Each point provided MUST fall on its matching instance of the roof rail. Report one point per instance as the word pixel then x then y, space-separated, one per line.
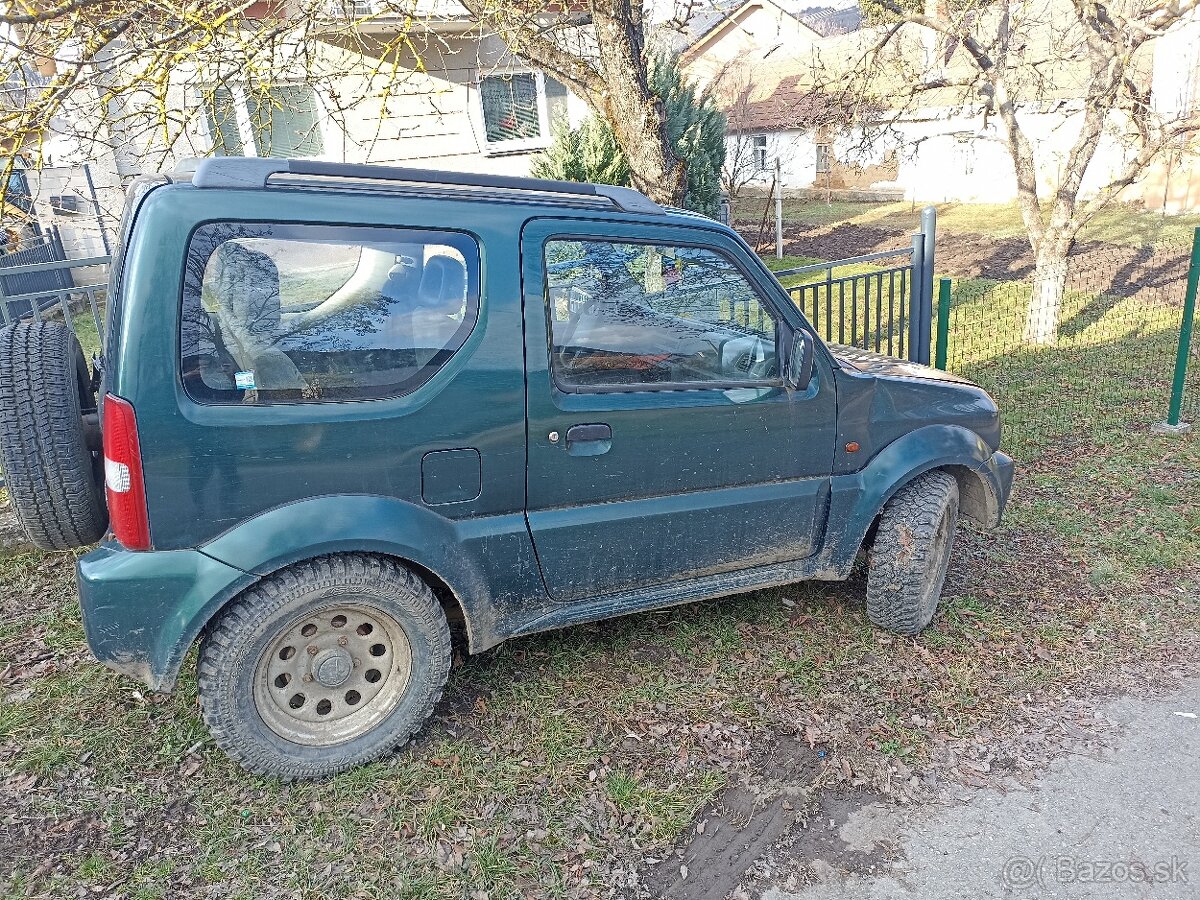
pixel 255 172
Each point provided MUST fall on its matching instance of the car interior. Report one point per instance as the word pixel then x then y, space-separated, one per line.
pixel 377 316
pixel 632 314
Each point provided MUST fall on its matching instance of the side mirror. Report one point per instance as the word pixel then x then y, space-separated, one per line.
pixel 798 372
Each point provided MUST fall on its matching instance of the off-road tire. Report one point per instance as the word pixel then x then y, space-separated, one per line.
pixel 911 552
pixel 55 482
pixel 247 630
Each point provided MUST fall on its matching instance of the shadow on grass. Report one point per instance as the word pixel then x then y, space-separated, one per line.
pixel 1090 314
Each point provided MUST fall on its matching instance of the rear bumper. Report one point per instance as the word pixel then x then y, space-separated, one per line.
pixel 142 611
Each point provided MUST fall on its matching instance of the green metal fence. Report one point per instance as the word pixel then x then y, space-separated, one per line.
pixel 1120 352
pixel 1184 349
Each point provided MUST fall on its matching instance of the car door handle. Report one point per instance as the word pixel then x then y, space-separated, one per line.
pixel 579 433
pixel 589 440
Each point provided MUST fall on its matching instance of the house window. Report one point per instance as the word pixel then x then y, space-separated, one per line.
pixel 278 120
pixel 824 156
pixel 520 110
pixel 964 158
pixel 760 152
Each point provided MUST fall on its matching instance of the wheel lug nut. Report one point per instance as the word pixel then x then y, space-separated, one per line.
pixel 342 642
pixel 357 662
pixel 312 651
pixel 307 678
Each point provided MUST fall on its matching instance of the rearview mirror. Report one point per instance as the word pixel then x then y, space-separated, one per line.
pixel 798 372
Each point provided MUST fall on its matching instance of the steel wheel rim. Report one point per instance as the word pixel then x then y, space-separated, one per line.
pixel 332 674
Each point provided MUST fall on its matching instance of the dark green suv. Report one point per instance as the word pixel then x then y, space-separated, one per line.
pixel 340 407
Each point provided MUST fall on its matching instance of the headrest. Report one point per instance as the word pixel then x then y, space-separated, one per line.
pixel 443 283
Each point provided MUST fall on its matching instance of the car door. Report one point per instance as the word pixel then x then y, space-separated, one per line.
pixel 662 442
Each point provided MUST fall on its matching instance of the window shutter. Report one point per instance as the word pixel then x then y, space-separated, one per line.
pixel 510 107
pixel 220 113
pixel 285 121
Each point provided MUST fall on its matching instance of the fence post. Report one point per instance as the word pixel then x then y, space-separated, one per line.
pixel 1185 340
pixel 778 209
pixel 929 231
pixel 58 253
pixel 87 173
pixel 916 298
pixel 943 323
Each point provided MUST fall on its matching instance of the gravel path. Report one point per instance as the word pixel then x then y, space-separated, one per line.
pixel 1119 824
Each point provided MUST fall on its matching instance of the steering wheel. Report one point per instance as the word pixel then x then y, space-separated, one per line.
pixel 763 368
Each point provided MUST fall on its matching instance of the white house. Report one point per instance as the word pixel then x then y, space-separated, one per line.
pixel 761 58
pixel 454 99
pixel 460 100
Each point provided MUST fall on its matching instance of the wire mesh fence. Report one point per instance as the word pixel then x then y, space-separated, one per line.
pixel 1191 385
pixel 1091 349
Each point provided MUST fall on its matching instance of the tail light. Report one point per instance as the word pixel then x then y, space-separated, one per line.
pixel 123 482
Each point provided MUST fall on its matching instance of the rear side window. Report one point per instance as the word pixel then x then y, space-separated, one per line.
pixel 305 313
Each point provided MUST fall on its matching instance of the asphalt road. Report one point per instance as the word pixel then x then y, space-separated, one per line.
pixel 1121 824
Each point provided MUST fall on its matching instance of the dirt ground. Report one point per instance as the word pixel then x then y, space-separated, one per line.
pixel 790 822
pixel 1059 839
pixel 1112 268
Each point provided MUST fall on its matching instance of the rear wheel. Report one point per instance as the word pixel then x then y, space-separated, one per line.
pixel 52 469
pixel 326 665
pixel 911 553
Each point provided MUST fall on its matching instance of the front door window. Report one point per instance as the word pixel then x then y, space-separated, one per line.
pixel 640 316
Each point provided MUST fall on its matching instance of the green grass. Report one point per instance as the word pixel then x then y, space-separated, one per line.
pixel 85 330
pixel 555 757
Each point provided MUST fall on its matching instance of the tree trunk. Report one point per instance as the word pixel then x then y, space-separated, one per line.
pixel 637 116
pixel 1049 286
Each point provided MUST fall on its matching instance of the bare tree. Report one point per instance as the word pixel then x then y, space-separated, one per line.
pixel 598 48
pixel 748 149
pixel 1001 60
pixel 144 76
pixel 111 71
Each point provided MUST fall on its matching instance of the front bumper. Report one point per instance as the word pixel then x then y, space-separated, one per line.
pixel 999 471
pixel 143 610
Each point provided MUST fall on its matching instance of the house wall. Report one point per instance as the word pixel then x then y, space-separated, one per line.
pixel 953 157
pixel 402 115
pixel 796 152
pixel 1172 184
pixel 756 33
pixel 90 229
pixel 942 156
pixel 434 117
pixel 945 153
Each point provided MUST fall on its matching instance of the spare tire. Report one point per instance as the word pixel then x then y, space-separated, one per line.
pixel 54 479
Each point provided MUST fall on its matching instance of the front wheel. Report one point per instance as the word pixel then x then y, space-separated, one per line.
pixel 324 666
pixel 911 552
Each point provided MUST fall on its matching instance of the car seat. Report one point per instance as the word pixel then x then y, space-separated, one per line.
pixel 400 283
pixel 438 304
pixel 248 304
